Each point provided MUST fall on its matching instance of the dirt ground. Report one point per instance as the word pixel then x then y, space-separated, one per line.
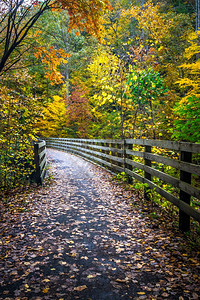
pixel 85 237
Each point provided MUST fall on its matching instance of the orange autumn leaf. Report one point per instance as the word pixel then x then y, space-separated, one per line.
pixel 80 288
pixel 85 14
pixel 45 290
pixel 52 58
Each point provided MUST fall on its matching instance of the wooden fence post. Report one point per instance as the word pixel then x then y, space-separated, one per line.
pixel 147 175
pixel 37 164
pixel 108 145
pixel 102 151
pixel 127 166
pixel 95 143
pixel 118 146
pixel 40 161
pixel 184 219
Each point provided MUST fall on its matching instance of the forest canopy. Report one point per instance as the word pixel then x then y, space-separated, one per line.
pixel 96 69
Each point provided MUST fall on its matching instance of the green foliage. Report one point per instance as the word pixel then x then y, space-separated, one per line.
pixel 106 125
pixel 144 85
pixel 153 215
pixel 17 114
pixel 187 124
pixel 122 177
pixel 146 46
pixel 143 101
pixel 140 186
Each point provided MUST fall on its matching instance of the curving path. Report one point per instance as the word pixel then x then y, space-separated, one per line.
pixel 87 238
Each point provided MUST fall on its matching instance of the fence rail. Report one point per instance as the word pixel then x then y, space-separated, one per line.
pixel 40 161
pixel 147 161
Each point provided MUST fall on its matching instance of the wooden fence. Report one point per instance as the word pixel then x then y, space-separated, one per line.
pixel 163 165
pixel 40 161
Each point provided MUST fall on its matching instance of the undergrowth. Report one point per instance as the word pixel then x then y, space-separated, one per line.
pixel 160 211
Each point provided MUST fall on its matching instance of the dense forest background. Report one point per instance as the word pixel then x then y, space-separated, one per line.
pixel 132 72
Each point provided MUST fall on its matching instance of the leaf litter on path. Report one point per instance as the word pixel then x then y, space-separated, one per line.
pixel 79 238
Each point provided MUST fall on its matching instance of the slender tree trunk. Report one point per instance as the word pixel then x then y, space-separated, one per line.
pixel 122 95
pixel 197 21
pixel 135 117
pixel 197 14
pixel 67 80
pixel 138 105
pixel 47 89
pixel 67 64
pixel 152 120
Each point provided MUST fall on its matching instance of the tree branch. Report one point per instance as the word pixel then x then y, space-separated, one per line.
pixel 19 33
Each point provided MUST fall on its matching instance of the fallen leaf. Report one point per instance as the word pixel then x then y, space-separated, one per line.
pixel 80 288
pixel 165 295
pixel 46 280
pixel 121 280
pixel 84 257
pixel 92 276
pixel 45 290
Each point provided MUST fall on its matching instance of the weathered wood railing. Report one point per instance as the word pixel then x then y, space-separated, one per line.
pixel 148 161
pixel 40 161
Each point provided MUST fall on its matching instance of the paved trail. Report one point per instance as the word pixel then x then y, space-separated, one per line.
pixel 83 240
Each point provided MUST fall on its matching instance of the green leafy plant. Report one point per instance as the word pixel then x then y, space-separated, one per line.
pixel 143 102
pixel 121 177
pixel 140 188
pixel 187 124
pixel 17 131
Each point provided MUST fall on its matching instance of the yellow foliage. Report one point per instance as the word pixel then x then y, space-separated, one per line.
pixel 104 76
pixel 17 114
pixel 191 80
pixel 54 118
pixel 187 82
pixel 116 27
pixel 194 48
pixel 150 19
